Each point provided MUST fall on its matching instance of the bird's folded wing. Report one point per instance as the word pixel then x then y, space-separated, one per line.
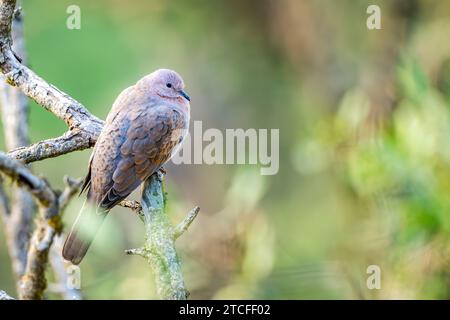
pixel 141 146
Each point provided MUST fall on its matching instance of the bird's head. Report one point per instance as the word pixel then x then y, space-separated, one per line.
pixel 166 84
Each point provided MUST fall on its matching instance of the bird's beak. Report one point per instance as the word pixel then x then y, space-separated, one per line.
pixel 185 95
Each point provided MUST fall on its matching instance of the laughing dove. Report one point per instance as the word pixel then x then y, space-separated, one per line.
pixel 146 124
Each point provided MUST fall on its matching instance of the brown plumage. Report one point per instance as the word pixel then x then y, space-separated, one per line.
pixel 147 122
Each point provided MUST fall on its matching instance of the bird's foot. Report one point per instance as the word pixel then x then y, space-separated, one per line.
pixel 163 171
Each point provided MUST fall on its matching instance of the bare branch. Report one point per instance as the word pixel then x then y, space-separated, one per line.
pixel 6 14
pixel 71 189
pixel 34 282
pixel 23 176
pixel 84 129
pixel 184 225
pixel 72 140
pixel 13 102
pixel 48 223
pixel 62 270
pixel 59 266
pixel 159 249
pixel 4 202
pixel 14 107
pixel 52 99
pixel 73 113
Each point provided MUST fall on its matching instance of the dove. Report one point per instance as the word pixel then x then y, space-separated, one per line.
pixel 147 123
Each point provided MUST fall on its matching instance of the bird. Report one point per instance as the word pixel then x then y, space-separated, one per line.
pixel 146 125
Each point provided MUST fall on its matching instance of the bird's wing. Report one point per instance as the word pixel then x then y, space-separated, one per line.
pixel 122 99
pixel 87 180
pixel 142 145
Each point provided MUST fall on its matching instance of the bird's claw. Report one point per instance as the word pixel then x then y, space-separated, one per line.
pixel 162 170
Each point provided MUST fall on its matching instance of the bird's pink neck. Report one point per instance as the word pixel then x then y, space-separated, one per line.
pixel 179 101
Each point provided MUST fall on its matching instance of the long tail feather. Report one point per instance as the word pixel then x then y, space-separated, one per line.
pixel 83 233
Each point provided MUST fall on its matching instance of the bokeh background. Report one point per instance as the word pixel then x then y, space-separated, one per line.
pixel 364 141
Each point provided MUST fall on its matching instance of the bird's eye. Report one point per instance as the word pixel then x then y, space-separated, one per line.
pixel 168 85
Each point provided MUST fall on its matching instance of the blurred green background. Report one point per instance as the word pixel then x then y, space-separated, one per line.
pixel 364 141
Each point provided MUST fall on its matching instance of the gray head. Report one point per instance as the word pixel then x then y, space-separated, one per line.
pixel 166 84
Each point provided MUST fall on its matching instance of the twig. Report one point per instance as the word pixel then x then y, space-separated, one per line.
pixel 135 206
pixel 184 225
pixel 71 189
pixel 130 204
